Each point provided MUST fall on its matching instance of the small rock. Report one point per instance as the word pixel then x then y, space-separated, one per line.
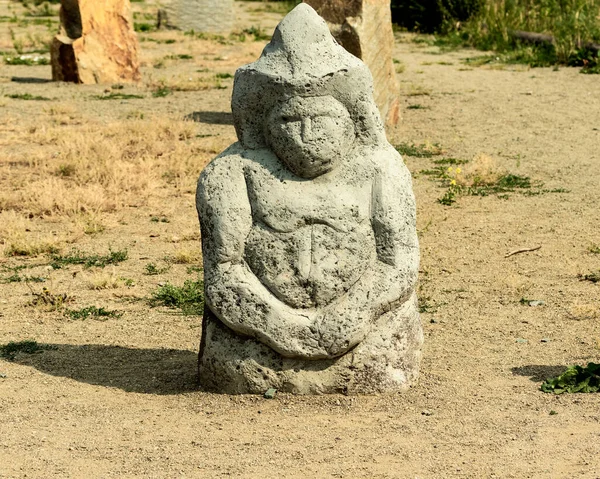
pixel 434 321
pixel 536 302
pixel 546 340
pixel 426 412
pixel 270 393
pixel 2 375
pixel 521 340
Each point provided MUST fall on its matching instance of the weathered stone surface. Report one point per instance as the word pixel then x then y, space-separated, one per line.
pixel 308 230
pixel 364 28
pixel 96 43
pixel 211 16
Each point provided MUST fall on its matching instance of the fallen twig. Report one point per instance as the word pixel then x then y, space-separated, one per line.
pixel 522 250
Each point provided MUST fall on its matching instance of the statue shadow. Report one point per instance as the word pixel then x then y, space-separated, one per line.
pixel 30 80
pixel 148 371
pixel 212 117
pixel 538 373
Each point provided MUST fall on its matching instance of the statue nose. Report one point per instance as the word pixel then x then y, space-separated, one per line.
pixel 307 134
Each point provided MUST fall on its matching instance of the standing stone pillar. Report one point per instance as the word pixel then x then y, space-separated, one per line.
pixel 96 43
pixel 364 28
pixel 309 233
pixel 208 16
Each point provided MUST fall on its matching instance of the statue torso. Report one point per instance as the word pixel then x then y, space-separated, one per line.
pixel 311 239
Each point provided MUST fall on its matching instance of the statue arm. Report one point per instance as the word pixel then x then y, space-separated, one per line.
pixel 390 281
pixel 233 293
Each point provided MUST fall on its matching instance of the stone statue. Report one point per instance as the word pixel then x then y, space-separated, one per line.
pixel 308 230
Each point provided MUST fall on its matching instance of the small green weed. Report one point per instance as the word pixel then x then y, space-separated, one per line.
pixel 257 33
pixel 419 151
pixel 161 92
pixel 15 278
pixel 427 306
pixel 144 27
pixel 591 277
pixel 28 96
pixel 88 261
pixel 594 249
pixel 181 56
pixel 450 161
pixel 9 351
pixel 189 298
pixel 153 270
pixel 92 312
pixel 26 60
pixel 117 96
pixel 575 379
pixel 159 219
pixel 223 76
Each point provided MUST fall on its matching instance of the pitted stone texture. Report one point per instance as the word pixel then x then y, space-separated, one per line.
pixel 308 230
pixel 210 16
pixel 364 28
pixel 96 43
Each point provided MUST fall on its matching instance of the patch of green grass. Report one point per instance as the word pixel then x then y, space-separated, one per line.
pixel 161 92
pixel 427 306
pixel 11 350
pixel 194 269
pixel 484 182
pixel 419 151
pixel 573 25
pixel 189 298
pixel 15 278
pixel 88 260
pixel 144 27
pixel 223 76
pixel 450 161
pixel 181 56
pixel 28 96
pixel 26 60
pixel 594 249
pixel 92 312
pixel 257 33
pixel 575 379
pixel 159 219
pixel 117 96
pixel 153 270
pixel 417 107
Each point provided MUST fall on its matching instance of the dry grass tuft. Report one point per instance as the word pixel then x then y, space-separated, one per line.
pixel 186 256
pixel 482 171
pixel 103 168
pixel 104 280
pixel 17 237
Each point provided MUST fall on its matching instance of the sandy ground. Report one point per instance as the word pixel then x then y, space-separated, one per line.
pixel 118 398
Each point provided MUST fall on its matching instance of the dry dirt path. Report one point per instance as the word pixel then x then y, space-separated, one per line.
pixel 117 398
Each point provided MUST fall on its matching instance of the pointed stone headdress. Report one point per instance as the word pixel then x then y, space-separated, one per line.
pixel 303 59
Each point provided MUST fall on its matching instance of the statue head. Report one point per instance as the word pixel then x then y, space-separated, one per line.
pixel 311 135
pixel 305 98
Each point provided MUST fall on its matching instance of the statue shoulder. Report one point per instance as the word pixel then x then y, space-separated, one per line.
pixel 226 166
pixel 387 162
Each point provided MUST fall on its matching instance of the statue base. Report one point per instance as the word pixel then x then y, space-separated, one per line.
pixel 387 360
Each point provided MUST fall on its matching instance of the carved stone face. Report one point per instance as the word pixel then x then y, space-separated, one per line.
pixel 310 135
